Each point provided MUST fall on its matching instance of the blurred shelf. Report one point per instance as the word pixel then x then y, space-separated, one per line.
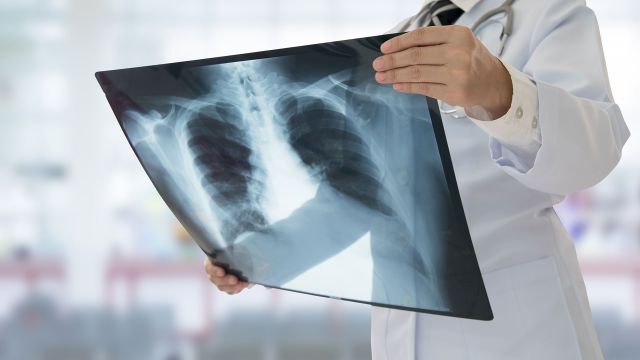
pixel 133 271
pixel 32 270
pixel 618 267
pixel 611 266
pixel 150 268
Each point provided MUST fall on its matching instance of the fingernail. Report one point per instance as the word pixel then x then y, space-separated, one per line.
pixel 385 46
pixel 377 63
pixel 380 76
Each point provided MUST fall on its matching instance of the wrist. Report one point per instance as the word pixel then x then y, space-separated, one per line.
pixel 496 97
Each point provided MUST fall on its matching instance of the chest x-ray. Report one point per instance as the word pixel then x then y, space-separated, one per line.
pixel 294 169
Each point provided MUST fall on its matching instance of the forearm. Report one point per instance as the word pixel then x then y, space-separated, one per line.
pixel 570 133
pixel 581 142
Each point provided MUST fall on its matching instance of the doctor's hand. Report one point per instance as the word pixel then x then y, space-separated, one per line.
pixel 450 64
pixel 226 283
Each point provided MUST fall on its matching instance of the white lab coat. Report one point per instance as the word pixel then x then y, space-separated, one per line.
pixel 528 260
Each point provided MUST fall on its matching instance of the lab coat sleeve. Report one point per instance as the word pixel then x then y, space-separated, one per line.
pixel 582 130
pixel 518 129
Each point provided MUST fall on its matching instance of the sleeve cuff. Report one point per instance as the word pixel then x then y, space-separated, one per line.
pixel 519 126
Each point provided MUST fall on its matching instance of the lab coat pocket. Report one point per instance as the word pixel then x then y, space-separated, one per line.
pixel 531 316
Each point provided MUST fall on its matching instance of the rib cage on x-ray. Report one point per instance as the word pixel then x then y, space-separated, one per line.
pixel 222 154
pixel 326 140
pixel 218 137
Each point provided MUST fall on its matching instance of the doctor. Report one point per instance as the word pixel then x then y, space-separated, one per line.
pixel 529 117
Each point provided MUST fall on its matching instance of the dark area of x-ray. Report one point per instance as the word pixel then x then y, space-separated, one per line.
pixel 294 169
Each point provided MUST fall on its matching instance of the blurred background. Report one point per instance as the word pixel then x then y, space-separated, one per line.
pixel 94 266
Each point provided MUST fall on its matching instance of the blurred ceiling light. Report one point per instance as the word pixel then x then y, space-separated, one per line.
pixel 54 91
pixel 46 31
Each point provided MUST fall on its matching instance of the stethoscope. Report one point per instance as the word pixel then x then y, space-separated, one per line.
pixel 507 27
pixel 484 20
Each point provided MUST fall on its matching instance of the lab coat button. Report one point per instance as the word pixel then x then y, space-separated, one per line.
pixel 534 123
pixel 519 112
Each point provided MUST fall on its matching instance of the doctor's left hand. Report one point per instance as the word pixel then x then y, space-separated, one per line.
pixel 450 64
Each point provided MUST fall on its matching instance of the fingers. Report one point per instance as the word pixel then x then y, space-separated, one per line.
pixel 439 61
pixel 234 289
pixel 426 36
pixel 227 283
pixel 415 73
pixel 211 269
pixel 438 91
pixel 420 55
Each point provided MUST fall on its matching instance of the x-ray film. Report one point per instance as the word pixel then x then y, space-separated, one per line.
pixel 295 169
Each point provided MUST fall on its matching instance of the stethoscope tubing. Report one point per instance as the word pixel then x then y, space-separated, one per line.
pixel 507 28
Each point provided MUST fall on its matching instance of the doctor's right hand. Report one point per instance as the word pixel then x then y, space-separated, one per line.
pixel 224 282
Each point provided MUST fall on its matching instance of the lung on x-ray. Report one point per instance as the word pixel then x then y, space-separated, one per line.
pixel 295 169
